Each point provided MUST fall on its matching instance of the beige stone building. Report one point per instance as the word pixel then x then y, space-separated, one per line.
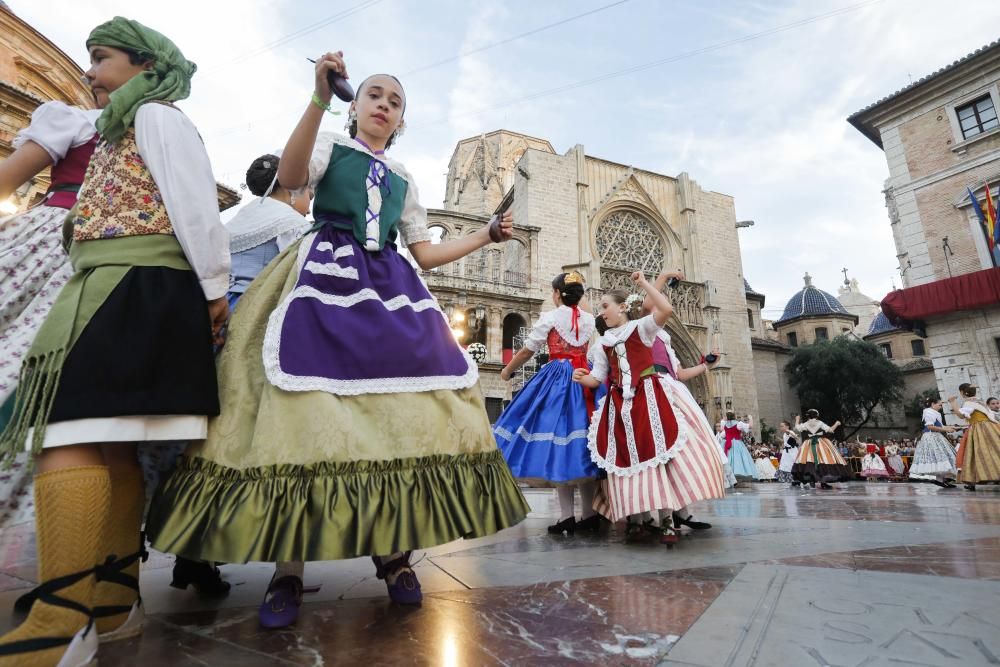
pixel 941 138
pixel 33 70
pixel 603 218
pixel 908 352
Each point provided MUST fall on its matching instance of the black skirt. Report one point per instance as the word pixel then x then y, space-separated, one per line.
pixel 146 351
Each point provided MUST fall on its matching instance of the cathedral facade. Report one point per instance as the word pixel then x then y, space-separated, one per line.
pixel 604 219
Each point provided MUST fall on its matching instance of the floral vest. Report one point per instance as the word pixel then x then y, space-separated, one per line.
pixel 119 196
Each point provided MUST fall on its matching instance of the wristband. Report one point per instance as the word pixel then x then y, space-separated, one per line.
pixel 325 106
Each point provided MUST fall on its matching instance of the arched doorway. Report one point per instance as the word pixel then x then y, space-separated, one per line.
pixel 512 325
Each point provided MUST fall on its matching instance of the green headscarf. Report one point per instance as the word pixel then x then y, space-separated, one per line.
pixel 169 80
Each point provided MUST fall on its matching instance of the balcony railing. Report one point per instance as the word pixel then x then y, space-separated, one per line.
pixel 507 283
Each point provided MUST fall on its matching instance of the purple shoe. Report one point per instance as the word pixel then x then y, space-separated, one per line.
pixel 280 607
pixel 406 589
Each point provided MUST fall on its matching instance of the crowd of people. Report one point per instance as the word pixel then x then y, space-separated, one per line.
pixel 324 408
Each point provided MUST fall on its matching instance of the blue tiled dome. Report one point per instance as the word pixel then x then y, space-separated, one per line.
pixel 812 301
pixel 881 324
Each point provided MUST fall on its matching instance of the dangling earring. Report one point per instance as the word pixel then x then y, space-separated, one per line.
pixel 352 117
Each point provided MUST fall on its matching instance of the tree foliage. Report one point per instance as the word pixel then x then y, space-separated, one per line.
pixel 915 406
pixel 845 379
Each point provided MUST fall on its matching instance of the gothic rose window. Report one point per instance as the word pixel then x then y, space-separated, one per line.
pixel 627 241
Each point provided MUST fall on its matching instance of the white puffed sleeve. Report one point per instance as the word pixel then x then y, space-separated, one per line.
pixel 58 127
pixel 601 366
pixel 648 328
pixel 539 332
pixel 413 220
pixel 320 159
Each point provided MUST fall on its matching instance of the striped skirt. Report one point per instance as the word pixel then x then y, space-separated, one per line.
pixel 979 453
pixel 694 474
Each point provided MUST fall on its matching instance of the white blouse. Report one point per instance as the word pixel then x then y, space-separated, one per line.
pixel 968 407
pixel 176 158
pixel 58 127
pixel 560 319
pixel 813 426
pixel 931 416
pixel 412 223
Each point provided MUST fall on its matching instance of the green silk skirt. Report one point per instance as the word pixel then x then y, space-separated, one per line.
pixel 303 476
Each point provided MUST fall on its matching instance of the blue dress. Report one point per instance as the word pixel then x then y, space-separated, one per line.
pixel 739 456
pixel 543 432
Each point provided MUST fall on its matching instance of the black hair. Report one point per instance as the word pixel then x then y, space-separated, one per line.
pixel 991 398
pixel 634 311
pixel 930 400
pixel 570 294
pixel 352 128
pixel 786 423
pixel 135 57
pixel 601 326
pixel 967 389
pixel 261 173
pixel 730 415
pixel 812 414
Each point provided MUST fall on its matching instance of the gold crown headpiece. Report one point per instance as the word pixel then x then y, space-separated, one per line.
pixel 574 278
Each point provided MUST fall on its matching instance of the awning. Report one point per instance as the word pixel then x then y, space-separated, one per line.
pixel 965 292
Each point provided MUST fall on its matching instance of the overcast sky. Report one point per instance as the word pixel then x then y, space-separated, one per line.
pixel 749 98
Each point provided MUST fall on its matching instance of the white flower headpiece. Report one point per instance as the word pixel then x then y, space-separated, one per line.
pixel 632 299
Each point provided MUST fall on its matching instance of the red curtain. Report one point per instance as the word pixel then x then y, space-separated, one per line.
pixel 966 292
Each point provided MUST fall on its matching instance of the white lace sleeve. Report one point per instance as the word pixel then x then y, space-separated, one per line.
pixel 413 220
pixel 967 409
pixel 600 369
pixel 931 416
pixel 320 159
pixel 58 127
pixel 648 329
pixel 743 427
pixel 539 332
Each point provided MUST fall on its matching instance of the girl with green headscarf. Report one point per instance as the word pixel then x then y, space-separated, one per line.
pixel 125 355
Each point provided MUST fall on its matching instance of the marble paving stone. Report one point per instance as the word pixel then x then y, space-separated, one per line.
pixel 523 597
pixel 778 615
pixel 630 620
pixel 967 559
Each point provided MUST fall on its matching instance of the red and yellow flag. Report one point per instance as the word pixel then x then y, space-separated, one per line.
pixel 991 218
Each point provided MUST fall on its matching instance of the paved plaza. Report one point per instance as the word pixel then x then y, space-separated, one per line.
pixel 868 574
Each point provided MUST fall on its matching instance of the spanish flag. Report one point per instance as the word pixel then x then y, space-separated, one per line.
pixel 989 218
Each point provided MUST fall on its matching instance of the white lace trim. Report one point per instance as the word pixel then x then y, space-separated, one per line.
pixel 659 437
pixel 562 322
pixel 540 437
pixel 257 237
pixel 332 269
pixel 605 463
pixel 633 451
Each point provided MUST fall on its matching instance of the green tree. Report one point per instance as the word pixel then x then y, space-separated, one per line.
pixel 915 406
pixel 767 432
pixel 846 379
